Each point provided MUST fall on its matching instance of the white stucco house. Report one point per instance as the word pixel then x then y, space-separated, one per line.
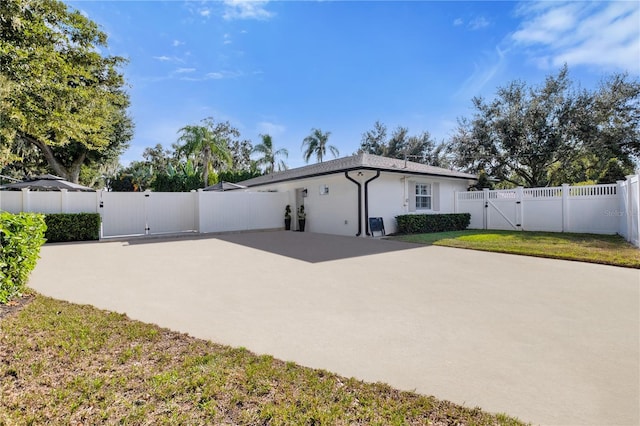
pixel 340 195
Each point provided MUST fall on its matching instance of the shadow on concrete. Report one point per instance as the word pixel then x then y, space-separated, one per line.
pixel 304 246
pixel 314 248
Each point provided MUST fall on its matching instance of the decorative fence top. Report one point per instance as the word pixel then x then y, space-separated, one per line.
pixel 605 190
pixel 471 195
pixel 593 190
pixel 551 192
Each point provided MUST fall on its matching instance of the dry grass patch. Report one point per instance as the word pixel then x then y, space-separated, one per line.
pixel 605 249
pixel 62 363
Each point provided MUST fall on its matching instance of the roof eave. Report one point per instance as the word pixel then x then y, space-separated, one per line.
pixel 351 169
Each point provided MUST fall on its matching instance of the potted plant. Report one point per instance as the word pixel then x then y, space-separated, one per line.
pixel 302 218
pixel 287 218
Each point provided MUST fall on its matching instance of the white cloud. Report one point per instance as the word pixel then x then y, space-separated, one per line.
pixel 478 23
pixel 457 22
pixel 227 39
pixel 268 128
pixel 177 43
pixel 165 58
pixel 184 70
pixel 205 12
pixel 246 9
pixel 484 72
pixel 605 35
pixel 214 75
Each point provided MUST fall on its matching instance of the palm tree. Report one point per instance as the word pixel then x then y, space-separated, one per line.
pixel 204 144
pixel 316 144
pixel 268 155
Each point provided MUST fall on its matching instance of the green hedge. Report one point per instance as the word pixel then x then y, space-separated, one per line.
pixel 72 227
pixel 21 236
pixel 424 223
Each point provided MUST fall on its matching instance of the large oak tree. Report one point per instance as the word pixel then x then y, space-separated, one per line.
pixel 65 98
pixel 550 134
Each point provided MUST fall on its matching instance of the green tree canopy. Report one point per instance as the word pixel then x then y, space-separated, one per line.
pixel 552 133
pixel 419 148
pixel 207 145
pixel 268 155
pixel 612 172
pixel 65 97
pixel 317 144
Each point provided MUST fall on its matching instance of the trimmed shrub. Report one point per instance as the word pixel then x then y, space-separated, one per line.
pixel 72 227
pixel 21 236
pixel 425 223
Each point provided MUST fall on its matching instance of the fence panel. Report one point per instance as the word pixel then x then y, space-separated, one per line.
pixel 265 209
pixel 240 211
pixel 542 214
pixel 593 214
pixel 123 213
pixel 82 202
pixel 44 201
pixel 171 212
pixel 473 203
pixel 11 201
pixel 48 201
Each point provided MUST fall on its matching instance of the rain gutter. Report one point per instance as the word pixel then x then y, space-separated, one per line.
pixel 346 174
pixel 366 201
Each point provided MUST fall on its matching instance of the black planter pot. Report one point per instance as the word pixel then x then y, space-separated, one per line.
pixel 287 224
pixel 301 223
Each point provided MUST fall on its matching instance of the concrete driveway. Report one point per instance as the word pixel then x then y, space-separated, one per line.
pixel 551 342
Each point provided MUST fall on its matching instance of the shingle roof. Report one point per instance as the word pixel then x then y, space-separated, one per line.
pixel 356 162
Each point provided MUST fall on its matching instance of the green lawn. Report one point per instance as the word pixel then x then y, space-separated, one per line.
pixel 606 249
pixel 62 363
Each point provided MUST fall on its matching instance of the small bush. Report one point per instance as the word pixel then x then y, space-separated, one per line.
pixel 21 236
pixel 424 223
pixel 72 227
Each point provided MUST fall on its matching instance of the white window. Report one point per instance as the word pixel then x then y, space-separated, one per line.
pixel 423 196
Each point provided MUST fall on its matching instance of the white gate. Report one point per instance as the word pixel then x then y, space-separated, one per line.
pixel 140 213
pixel 503 210
pixel 123 213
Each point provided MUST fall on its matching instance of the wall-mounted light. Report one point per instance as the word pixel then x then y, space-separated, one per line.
pixel 360 174
pixel 324 190
pixel 304 192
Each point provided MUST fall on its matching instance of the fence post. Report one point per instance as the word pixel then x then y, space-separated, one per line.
pixel 100 211
pixel 26 200
pixel 196 209
pixel 485 215
pixel 632 237
pixel 455 201
pixel 64 201
pixel 519 209
pixel 565 207
pixel 147 195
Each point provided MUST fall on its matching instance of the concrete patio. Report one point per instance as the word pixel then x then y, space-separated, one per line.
pixel 548 341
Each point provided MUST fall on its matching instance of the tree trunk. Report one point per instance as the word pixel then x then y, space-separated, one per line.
pixel 205 170
pixel 72 173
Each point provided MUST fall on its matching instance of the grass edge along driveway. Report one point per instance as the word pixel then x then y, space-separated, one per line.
pixel 65 363
pixel 593 248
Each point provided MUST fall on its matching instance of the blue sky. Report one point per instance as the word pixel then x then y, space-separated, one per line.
pixel 285 67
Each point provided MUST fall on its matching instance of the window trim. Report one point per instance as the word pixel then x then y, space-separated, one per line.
pixel 424 197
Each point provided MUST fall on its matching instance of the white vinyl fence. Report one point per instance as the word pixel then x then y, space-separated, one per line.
pixel 147 213
pixel 629 210
pixel 596 209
